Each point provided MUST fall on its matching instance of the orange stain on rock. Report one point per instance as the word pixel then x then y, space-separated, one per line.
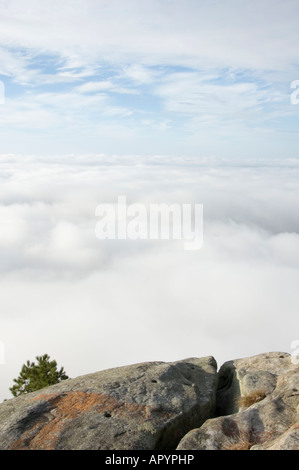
pixel 45 433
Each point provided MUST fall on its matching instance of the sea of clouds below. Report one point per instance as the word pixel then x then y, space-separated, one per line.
pixel 95 304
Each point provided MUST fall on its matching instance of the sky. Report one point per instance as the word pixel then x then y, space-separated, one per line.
pixel 164 76
pixel 165 101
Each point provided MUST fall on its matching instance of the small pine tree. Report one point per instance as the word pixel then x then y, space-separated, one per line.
pixel 37 376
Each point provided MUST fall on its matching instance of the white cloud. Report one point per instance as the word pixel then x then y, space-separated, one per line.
pixel 218 71
pixel 107 86
pixel 140 75
pixel 91 87
pixel 12 64
pixel 72 109
pixel 217 99
pixel 93 304
pixel 247 34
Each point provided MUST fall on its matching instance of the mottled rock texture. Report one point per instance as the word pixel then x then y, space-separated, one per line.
pixel 257 404
pixel 250 404
pixel 143 406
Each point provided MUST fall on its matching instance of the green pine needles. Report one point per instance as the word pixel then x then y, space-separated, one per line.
pixel 37 376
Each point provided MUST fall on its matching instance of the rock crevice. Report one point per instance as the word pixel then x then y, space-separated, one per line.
pixel 257 407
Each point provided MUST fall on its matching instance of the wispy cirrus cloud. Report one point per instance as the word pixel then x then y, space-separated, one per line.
pixel 254 35
pixel 204 67
pixel 106 86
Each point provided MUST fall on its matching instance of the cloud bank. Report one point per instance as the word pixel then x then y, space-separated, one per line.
pixel 94 304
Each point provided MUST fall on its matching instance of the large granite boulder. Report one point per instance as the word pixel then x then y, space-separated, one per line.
pixel 143 406
pixel 258 400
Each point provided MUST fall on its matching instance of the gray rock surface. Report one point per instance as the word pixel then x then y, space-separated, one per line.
pixel 251 403
pixel 143 406
pixel 270 423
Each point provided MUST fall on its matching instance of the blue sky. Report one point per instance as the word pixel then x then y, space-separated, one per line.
pixel 200 78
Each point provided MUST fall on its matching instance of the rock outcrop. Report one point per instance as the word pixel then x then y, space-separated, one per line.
pixel 257 404
pixel 140 407
pixel 251 403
